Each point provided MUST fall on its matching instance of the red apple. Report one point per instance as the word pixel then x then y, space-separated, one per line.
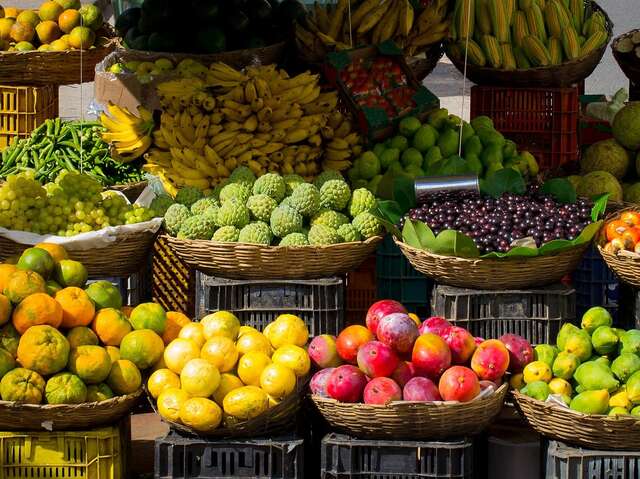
pixel 398 331
pixel 381 391
pixel 376 359
pixel 435 324
pixel 431 356
pixel 346 383
pixel 421 389
pixel 379 310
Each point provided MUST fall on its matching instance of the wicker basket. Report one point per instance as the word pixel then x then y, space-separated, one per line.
pixel 56 68
pixel 411 420
pixel 626 267
pixel 629 62
pixel 591 431
pixel 507 273
pixel 124 257
pixel 131 190
pixel 59 417
pixel 252 261
pixel 564 75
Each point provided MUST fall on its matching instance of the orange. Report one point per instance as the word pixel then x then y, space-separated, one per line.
pixel 293 357
pixel 22 32
pixel 92 364
pixel 194 332
pixel 250 367
pixel 220 323
pixel 287 329
pixel 277 380
pixel 113 352
pixel 52 287
pixel 77 307
pixel 124 377
pixel 43 349
pixel 99 392
pixel 175 322
pixel 56 251
pixel 179 352
pixel 81 38
pixel 67 4
pixel 161 380
pixel 12 12
pixel 127 311
pixel 199 378
pixel 615 228
pixel 6 270
pixel 631 236
pixel 38 260
pixel 111 326
pixel 228 382
pixel 7 362
pixel 22 284
pixel 65 388
pixel 221 352
pixel 5 28
pixel 253 341
pixel 28 16
pixel 71 273
pixel 69 19
pixel 142 347
pixel 22 385
pixel 9 338
pixel 201 414
pixel 38 308
pixel 169 403
pixel 104 294
pixel 149 316
pixel 246 402
pixel 5 309
pixel 50 11
pixel 81 336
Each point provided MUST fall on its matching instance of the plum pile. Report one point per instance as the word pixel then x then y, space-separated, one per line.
pixel 494 224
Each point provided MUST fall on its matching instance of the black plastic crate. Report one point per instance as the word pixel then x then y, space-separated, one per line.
pixel 344 457
pixel 566 462
pixel 178 457
pixel 319 302
pixel 628 307
pixel 535 314
pixel 595 284
pixel 397 279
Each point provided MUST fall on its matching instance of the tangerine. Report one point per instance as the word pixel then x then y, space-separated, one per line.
pixel 77 307
pixel 111 326
pixel 35 309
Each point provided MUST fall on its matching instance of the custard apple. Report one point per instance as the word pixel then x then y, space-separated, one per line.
pixel 197 227
pixel 286 201
pixel 242 174
pixel 261 206
pixel 257 232
pixel 160 204
pixel 362 200
pixel 188 196
pixel 212 213
pixel 330 218
pixel 272 185
pixel 239 191
pixel 285 220
pixel 321 235
pixel 348 233
pixel 174 217
pixel 292 181
pixel 200 206
pixel 294 239
pixel 325 176
pixel 233 213
pixel 335 194
pixel 305 199
pixel 226 234
pixel 218 188
pixel 367 224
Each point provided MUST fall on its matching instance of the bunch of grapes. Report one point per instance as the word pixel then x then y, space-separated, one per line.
pixel 494 224
pixel 73 204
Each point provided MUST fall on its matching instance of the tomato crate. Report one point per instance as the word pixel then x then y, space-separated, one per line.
pixel 536 314
pixel 95 454
pixel 595 284
pixel 24 108
pixel 179 457
pixel 543 121
pixel 173 281
pixel 360 291
pixel 344 457
pixel 567 462
pixel 318 302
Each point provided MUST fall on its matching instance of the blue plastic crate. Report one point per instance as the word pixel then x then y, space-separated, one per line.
pixel 397 279
pixel 595 284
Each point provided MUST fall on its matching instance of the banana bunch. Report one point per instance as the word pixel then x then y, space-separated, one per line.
pixel 128 135
pixel 343 26
pixel 259 117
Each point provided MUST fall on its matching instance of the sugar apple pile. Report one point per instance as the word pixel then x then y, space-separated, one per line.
pixel 275 210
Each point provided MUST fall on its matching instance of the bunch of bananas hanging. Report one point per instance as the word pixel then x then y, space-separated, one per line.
pixel 128 135
pixel 342 26
pixel 260 118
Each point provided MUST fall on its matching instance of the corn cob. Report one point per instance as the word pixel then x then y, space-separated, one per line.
pixel 483 20
pixel 536 51
pixel 586 25
pixel 525 4
pixel 555 51
pixel 541 4
pixel 570 43
pixel 552 18
pixel 475 53
pixel 465 18
pixel 564 15
pixel 498 20
pixel 597 23
pixel 509 10
pixel 595 41
pixel 508 59
pixel 576 7
pixel 519 27
pixel 535 22
pixel 492 50
pixel 521 59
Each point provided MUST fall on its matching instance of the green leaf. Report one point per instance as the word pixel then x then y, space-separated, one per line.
pixel 389 214
pixel 517 252
pixel 588 233
pixel 404 192
pixel 454 243
pixel 599 206
pixel 506 180
pixel 555 245
pixel 425 235
pixel 561 189
pixel 410 235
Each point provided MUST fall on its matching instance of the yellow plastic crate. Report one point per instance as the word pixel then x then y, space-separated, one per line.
pixel 95 454
pixel 23 108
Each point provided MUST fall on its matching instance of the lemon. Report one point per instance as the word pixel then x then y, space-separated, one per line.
pixel 194 332
pixel 201 414
pixel 199 378
pixel 537 371
pixel 220 323
pixel 169 403
pixel 253 341
pixel 250 367
pixel 221 352
pixel 246 402
pixel 277 380
pixel 293 357
pixel 560 386
pixel 228 382
pixel 161 380
pixel 179 352
pixel 245 330
pixel 287 329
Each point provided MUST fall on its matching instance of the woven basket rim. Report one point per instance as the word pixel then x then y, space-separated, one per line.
pixel 43 408
pixel 233 245
pixel 133 184
pixel 195 56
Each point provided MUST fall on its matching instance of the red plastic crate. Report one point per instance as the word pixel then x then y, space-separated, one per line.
pixel 361 291
pixel 543 121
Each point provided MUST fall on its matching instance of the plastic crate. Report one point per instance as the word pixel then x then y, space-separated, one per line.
pixel 319 302
pixel 23 108
pixel 634 91
pixel 543 121
pixel 360 291
pixel 397 279
pixel 595 284
pixel 95 454
pixel 628 307
pixel 566 462
pixel 173 282
pixel 535 314
pixel 344 457
pixel 178 457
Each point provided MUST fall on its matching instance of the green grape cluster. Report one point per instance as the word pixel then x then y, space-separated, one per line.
pixel 73 204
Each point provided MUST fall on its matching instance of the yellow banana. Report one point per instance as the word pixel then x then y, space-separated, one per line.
pixel 250 123
pixel 250 92
pixel 374 17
